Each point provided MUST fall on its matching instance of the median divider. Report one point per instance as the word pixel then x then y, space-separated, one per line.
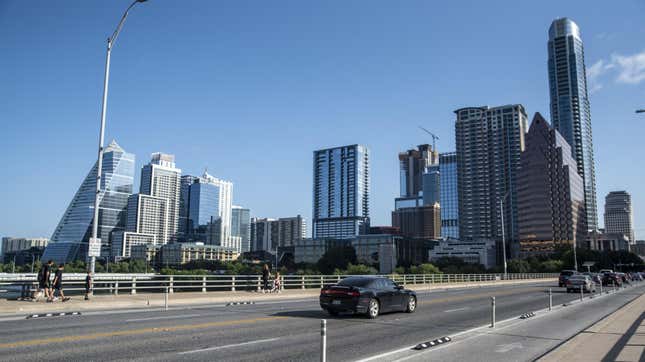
pixel 44 315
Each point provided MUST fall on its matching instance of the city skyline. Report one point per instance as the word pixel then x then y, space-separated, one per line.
pixel 291 195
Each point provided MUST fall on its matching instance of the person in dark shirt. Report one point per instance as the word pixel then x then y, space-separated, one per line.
pixel 58 283
pixel 46 280
pixel 88 285
pixel 265 278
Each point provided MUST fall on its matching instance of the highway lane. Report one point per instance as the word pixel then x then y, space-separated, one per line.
pixel 276 331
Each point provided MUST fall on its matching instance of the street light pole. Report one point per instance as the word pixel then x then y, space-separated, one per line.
pixel 99 164
pixel 640 111
pixel 501 211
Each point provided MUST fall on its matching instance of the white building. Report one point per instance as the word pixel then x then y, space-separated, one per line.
pixel 160 178
pixel 474 252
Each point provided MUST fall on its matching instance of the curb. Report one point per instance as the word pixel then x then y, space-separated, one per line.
pixel 239 303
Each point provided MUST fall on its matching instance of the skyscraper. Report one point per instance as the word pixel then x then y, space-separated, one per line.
pixel 210 208
pixel 340 191
pixel 184 206
pixel 267 234
pixel 618 214
pixel 550 193
pixel 449 199
pixel 570 110
pixel 70 238
pixel 147 224
pixel 161 178
pixel 241 226
pixel 489 143
pixel 413 165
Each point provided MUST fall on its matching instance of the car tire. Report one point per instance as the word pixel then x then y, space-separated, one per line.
pixel 373 308
pixel 411 305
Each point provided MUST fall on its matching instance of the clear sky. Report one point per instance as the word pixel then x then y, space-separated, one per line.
pixel 250 88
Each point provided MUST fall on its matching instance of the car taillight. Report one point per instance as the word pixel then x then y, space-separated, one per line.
pixel 353 294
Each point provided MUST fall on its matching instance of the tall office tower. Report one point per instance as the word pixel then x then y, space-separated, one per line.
pixel 570 111
pixel 209 214
pixel 550 194
pixel 267 234
pixel 241 226
pixel 161 178
pixel 71 237
pixel 431 185
pixel 420 222
pixel 147 224
pixel 489 143
pixel 341 192
pixel 291 229
pixel 264 234
pixel 184 206
pixel 448 195
pixel 413 165
pixel 618 214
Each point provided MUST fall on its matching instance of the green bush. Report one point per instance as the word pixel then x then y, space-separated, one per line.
pixel 424 269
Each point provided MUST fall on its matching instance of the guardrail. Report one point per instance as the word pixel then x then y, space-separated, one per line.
pixel 154 283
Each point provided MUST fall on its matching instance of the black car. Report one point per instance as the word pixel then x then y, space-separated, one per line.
pixel 367 295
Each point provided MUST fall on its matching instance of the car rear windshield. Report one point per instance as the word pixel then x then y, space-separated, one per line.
pixel 567 273
pixel 355 282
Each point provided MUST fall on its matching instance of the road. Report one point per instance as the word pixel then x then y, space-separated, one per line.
pixel 283 331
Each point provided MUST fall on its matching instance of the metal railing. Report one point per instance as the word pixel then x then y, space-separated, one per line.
pixel 155 283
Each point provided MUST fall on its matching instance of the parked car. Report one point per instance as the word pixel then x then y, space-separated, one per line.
pixel 637 277
pixel 575 282
pixel 564 276
pixel 367 295
pixel 612 279
pixel 605 271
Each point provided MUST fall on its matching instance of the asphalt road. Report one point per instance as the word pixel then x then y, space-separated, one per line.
pixel 285 331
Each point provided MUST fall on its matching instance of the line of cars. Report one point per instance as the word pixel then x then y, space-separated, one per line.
pixel 588 281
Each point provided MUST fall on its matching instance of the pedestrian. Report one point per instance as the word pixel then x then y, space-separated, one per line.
pixel 58 283
pixel 265 278
pixel 41 283
pixel 277 283
pixel 88 285
pixel 49 293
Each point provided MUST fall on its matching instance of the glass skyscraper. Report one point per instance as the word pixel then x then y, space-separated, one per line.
pixel 570 110
pixel 449 199
pixel 241 226
pixel 70 238
pixel 209 211
pixel 340 192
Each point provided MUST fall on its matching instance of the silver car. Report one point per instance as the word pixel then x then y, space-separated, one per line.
pixel 575 282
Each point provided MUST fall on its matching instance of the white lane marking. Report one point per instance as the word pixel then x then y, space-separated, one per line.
pixel 230 346
pixel 456 310
pixel 163 317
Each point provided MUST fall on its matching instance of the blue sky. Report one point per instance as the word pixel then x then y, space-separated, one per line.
pixel 249 89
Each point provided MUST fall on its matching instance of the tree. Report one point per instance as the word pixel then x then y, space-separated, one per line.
pixel 424 269
pixel 518 266
pixel 360 269
pixel 336 258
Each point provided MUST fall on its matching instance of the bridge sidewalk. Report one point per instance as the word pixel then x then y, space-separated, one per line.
pixel 618 337
pixel 142 301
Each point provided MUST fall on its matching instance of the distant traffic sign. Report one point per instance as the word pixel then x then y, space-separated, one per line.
pixel 94 247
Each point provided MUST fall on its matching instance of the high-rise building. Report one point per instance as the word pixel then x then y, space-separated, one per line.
pixel 267 234
pixel 241 226
pixel 570 110
pixel 147 224
pixel 618 214
pixel 184 206
pixel 449 199
pixel 420 222
pixel 11 245
pixel 340 191
pixel 161 178
pixel 489 143
pixel 210 208
pixel 71 237
pixel 432 185
pixel 550 193
pixel 413 167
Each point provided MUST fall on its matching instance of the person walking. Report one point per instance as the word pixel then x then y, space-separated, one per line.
pixel 265 278
pixel 49 293
pixel 88 285
pixel 58 283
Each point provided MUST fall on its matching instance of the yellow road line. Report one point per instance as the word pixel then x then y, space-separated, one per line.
pixel 131 332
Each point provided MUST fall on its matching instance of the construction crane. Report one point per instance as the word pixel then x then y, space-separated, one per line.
pixel 434 138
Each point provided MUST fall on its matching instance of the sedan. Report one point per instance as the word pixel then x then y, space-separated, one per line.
pixel 367 295
pixel 575 282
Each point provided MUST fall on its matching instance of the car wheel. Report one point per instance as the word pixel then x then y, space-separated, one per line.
pixel 412 304
pixel 373 309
